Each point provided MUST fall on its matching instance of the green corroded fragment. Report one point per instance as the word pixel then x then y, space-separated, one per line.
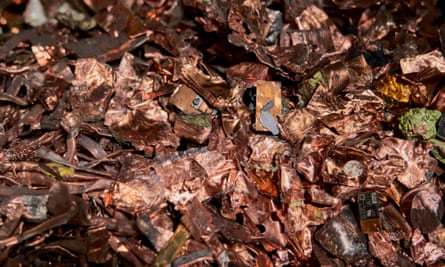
pixel 419 122
pixel 307 88
pixel 196 120
pixel 174 245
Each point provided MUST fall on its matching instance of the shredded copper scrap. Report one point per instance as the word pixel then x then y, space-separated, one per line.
pixel 222 133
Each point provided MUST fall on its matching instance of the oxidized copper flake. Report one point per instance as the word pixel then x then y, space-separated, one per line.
pixel 204 133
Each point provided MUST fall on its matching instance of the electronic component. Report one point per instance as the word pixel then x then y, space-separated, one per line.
pixel 368 206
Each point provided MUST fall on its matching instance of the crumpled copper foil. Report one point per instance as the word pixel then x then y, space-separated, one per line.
pixel 432 63
pixel 222 133
pixel 406 161
pixel 424 252
pixel 424 207
pixel 381 247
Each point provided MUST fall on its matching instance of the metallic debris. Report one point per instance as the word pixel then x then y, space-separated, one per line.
pixel 369 210
pixel 268 106
pixel 342 237
pixel 222 133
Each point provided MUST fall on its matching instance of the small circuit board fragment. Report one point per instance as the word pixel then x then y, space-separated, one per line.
pixel 368 206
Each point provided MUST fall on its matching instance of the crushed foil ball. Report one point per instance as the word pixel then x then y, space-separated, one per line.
pixel 342 237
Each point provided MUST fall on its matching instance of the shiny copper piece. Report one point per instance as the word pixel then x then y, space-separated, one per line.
pixel 46 55
pixel 199 221
pixel 143 124
pixel 301 214
pixel 268 106
pixel 345 166
pixel 139 194
pixel 265 180
pixel 394 223
pixel 395 191
pixel 433 60
pixel 290 182
pixel 302 241
pixel 423 251
pixel 381 247
pixel 212 88
pixel 424 207
pixel 407 161
pixel 312 155
pixel 92 89
pixel 296 124
pixel 438 236
pixel 195 128
pixel 375 24
pixel 186 100
pixel 320 196
pixel 265 150
pixel 91 74
pixel 427 71
pixel 248 72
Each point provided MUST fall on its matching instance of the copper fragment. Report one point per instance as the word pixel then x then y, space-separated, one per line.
pixel 195 128
pixel 433 60
pixel 232 133
pixel 341 237
pixel 381 247
pixel 394 223
pixel 188 101
pixel 345 165
pixel 424 207
pixel 425 252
